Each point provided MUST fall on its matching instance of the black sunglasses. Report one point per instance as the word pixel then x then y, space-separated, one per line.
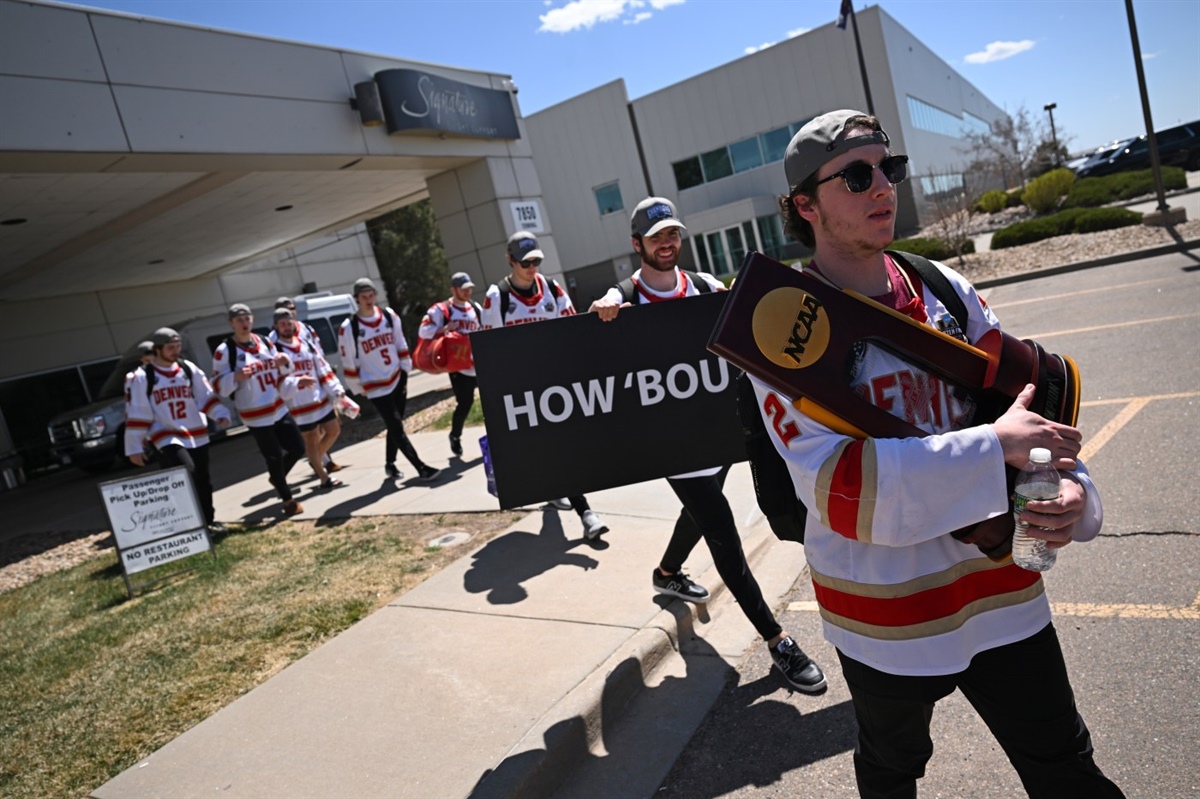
pixel 860 176
pixel 531 262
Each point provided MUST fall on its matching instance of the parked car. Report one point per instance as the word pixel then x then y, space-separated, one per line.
pixel 1177 146
pixel 1098 155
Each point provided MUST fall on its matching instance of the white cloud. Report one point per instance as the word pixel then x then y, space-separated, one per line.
pixel 579 14
pixel 1148 56
pixel 998 51
pixel 797 32
pixel 762 46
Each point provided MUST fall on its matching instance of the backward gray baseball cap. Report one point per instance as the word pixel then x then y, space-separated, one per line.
pixel 164 336
pixel 822 139
pixel 363 284
pixel 145 348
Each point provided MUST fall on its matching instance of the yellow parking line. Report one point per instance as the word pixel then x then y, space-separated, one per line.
pixel 1081 292
pixel 1088 609
pixel 1093 445
pixel 1131 323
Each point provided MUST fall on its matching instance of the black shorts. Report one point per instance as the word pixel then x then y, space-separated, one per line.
pixel 304 428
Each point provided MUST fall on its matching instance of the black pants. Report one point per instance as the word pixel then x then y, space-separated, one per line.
pixel 391 409
pixel 196 462
pixel 464 394
pixel 706 514
pixel 1045 738
pixel 282 447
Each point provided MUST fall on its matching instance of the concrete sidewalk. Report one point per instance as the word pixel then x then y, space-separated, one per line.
pixel 512 669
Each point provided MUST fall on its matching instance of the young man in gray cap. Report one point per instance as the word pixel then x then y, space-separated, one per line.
pixel 526 296
pixel 308 336
pixel 657 237
pixel 376 362
pixel 914 612
pixel 248 368
pixel 457 314
pixel 167 404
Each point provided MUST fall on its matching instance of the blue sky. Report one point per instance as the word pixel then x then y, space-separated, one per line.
pixel 1076 53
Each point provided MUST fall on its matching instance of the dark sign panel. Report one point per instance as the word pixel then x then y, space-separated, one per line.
pixel 415 100
pixel 576 405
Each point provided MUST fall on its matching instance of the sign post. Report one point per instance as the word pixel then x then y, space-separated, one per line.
pixel 155 520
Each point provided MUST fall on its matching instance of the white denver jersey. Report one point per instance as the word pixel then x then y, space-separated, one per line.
pixel 548 302
pixel 435 319
pixel 257 399
pixel 896 591
pixel 373 364
pixel 173 413
pixel 312 404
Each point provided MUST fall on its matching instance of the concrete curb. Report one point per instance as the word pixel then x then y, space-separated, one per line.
pixel 1132 255
pixel 577 730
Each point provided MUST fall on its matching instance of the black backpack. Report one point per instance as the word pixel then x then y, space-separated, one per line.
pixel 773 485
pixel 629 291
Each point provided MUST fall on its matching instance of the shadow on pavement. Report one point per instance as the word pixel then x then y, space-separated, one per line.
pixel 505 562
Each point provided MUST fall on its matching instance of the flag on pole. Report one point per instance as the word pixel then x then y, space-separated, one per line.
pixel 844 14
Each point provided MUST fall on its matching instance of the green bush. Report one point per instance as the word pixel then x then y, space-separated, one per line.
pixel 993 201
pixel 1014 199
pixel 1072 220
pixel 1042 193
pixel 1091 192
pixel 933 249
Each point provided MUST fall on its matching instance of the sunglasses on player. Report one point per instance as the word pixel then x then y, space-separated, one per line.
pixel 528 262
pixel 860 176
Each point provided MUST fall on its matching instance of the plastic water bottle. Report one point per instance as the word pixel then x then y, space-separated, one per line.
pixel 349 407
pixel 1039 481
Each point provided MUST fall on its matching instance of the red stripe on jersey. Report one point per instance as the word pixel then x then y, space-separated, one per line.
pixel 929 605
pixel 845 491
pixel 380 383
pixel 258 413
pixel 680 291
pixel 193 433
pixel 350 372
pixel 209 405
pixel 136 423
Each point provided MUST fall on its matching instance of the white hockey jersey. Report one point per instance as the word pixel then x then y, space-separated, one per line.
pixel 436 318
pixel 304 332
pixel 258 400
pixel 896 591
pixel 312 404
pixel 172 412
pixel 373 363
pixel 548 302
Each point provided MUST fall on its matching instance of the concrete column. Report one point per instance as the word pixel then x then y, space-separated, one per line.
pixel 474 209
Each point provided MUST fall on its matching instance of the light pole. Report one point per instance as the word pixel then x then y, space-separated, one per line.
pixel 1053 135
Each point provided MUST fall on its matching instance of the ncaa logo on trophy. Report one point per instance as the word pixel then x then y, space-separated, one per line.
pixel 791 328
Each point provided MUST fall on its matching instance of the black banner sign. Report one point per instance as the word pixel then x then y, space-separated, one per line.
pixel 415 100
pixel 576 405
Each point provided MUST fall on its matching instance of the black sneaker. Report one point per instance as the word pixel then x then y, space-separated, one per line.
pixel 456 445
pixel 679 586
pixel 392 471
pixel 797 668
pixel 427 474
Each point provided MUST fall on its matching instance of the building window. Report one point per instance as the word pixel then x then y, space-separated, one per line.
pixel 774 144
pixel 770 232
pixel 745 154
pixel 933 119
pixel 716 164
pixel 941 184
pixel 608 198
pixel 688 173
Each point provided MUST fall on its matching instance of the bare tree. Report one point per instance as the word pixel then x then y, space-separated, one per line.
pixel 1009 149
pixel 952 202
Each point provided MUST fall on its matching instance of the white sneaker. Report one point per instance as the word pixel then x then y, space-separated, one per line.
pixel 593 528
pixel 561 504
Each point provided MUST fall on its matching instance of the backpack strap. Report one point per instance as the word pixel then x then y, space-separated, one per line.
pixel 938 283
pixel 700 283
pixel 628 291
pixel 148 371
